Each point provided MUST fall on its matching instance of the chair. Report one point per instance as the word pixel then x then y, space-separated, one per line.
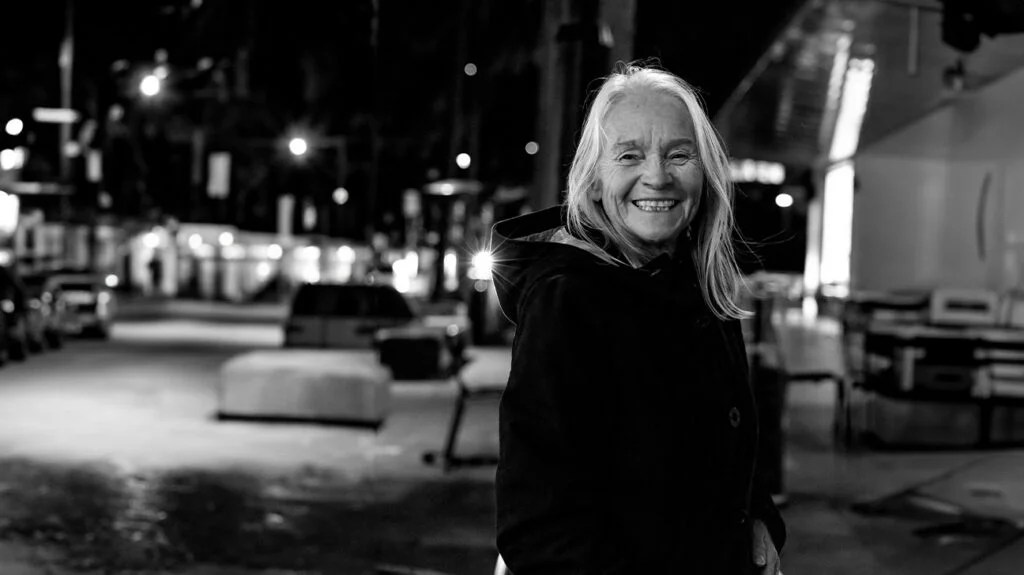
pixel 1002 375
pixel 1012 310
pixel 854 320
pixel 485 384
pixel 870 364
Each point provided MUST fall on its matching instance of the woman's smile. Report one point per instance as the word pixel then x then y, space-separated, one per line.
pixel 656 205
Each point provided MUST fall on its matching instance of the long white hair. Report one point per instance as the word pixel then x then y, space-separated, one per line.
pixel 712 227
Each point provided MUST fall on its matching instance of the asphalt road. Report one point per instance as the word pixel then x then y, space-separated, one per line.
pixel 111 459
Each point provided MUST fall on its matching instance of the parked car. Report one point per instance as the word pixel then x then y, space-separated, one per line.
pixel 90 305
pixel 343 315
pixel 47 310
pixel 13 309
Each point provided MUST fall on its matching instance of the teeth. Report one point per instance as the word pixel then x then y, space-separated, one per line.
pixel 655 205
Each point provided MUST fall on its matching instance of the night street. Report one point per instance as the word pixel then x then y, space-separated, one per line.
pixel 112 459
pixel 739 282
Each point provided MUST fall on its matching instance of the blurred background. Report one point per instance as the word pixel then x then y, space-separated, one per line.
pixel 139 134
pixel 258 234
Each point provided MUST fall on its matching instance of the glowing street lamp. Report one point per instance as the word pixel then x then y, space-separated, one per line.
pixel 14 126
pixel 298 146
pixel 150 85
pixel 12 159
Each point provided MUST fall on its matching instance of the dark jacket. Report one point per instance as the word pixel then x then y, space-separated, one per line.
pixel 628 429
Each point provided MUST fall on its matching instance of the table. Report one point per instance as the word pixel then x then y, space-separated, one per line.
pixel 976 348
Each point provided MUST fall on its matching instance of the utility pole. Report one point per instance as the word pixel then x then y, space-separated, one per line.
pixel 66 62
pixel 582 39
pixel 374 177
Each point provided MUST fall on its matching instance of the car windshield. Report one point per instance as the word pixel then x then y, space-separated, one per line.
pixel 350 301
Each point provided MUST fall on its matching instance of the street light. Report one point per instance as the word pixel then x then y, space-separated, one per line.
pixel 298 146
pixel 150 85
pixel 783 200
pixel 14 126
pixel 12 159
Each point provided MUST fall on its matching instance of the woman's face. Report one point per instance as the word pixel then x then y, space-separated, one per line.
pixel 649 171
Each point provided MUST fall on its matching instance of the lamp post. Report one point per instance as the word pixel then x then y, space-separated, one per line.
pixel 66 63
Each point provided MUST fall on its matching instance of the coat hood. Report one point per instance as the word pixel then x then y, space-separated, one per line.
pixel 530 247
pixel 538 245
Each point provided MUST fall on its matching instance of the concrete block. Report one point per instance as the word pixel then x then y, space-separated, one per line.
pixel 343 386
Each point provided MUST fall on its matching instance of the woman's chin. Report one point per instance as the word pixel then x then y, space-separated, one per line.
pixel 655 238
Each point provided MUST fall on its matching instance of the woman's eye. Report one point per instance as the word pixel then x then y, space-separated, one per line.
pixel 680 156
pixel 629 157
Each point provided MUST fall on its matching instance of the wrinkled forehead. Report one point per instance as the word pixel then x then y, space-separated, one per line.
pixel 645 113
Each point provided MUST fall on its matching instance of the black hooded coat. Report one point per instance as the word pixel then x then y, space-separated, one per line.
pixel 628 429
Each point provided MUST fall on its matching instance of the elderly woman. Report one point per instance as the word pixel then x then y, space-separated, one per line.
pixel 628 427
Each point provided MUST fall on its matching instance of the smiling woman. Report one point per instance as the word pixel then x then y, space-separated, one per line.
pixel 650 181
pixel 609 464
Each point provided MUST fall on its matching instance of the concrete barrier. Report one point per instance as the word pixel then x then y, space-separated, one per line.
pixel 329 386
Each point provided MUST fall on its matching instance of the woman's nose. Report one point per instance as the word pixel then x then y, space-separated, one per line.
pixel 655 175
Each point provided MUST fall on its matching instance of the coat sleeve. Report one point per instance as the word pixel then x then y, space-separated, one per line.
pixel 554 421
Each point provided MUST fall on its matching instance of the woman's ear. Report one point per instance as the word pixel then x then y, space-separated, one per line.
pixel 594 192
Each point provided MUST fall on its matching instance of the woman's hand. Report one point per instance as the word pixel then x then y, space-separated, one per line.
pixel 765 556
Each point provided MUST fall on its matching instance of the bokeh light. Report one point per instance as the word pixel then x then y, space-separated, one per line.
pixel 298 146
pixel 14 126
pixel 150 85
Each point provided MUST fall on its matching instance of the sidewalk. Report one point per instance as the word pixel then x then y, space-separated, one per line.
pixel 140 308
pixel 848 512
pixel 925 512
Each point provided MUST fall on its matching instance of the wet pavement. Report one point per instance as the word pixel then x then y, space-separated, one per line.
pixel 92 518
pixel 125 471
pixel 111 461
